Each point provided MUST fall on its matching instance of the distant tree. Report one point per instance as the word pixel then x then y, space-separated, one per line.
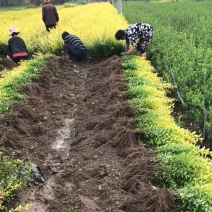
pixel 60 1
pixel 37 3
pixel 4 2
pixel 11 2
pixel 33 3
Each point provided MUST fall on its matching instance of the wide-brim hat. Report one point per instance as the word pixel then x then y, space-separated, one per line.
pixel 13 30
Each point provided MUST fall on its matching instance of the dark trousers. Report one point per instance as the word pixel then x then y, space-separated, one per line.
pixel 75 53
pixel 142 45
pixel 48 27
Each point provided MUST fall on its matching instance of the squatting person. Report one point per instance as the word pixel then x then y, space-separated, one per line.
pixel 16 46
pixel 73 47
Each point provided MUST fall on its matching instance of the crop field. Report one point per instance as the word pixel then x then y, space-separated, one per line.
pixel 101 133
pixel 72 19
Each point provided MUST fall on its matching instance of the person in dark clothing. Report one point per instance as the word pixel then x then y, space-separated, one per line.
pixel 50 16
pixel 142 31
pixel 16 46
pixel 73 47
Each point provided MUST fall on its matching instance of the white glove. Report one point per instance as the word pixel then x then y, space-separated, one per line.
pixel 124 53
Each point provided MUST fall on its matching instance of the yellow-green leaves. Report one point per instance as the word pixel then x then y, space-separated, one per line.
pixel 97 25
pixel 186 167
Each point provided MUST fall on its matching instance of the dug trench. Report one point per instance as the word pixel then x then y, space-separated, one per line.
pixel 77 127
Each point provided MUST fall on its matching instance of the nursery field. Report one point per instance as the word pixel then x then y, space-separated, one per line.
pixel 101 132
pixel 76 126
pixel 181 52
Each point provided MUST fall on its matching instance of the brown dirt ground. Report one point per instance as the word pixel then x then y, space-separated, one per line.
pixel 6 64
pixel 77 128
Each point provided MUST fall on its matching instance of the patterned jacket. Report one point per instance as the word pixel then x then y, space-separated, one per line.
pixel 139 30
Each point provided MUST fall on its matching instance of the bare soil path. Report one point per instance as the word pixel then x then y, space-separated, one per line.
pixel 77 128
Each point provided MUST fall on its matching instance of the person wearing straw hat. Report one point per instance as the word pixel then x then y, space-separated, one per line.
pixel 16 46
pixel 142 31
pixel 50 15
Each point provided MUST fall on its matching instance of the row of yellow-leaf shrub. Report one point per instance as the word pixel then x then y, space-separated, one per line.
pixel 187 169
pixel 10 81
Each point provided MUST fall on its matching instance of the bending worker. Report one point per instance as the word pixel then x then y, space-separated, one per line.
pixel 142 31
